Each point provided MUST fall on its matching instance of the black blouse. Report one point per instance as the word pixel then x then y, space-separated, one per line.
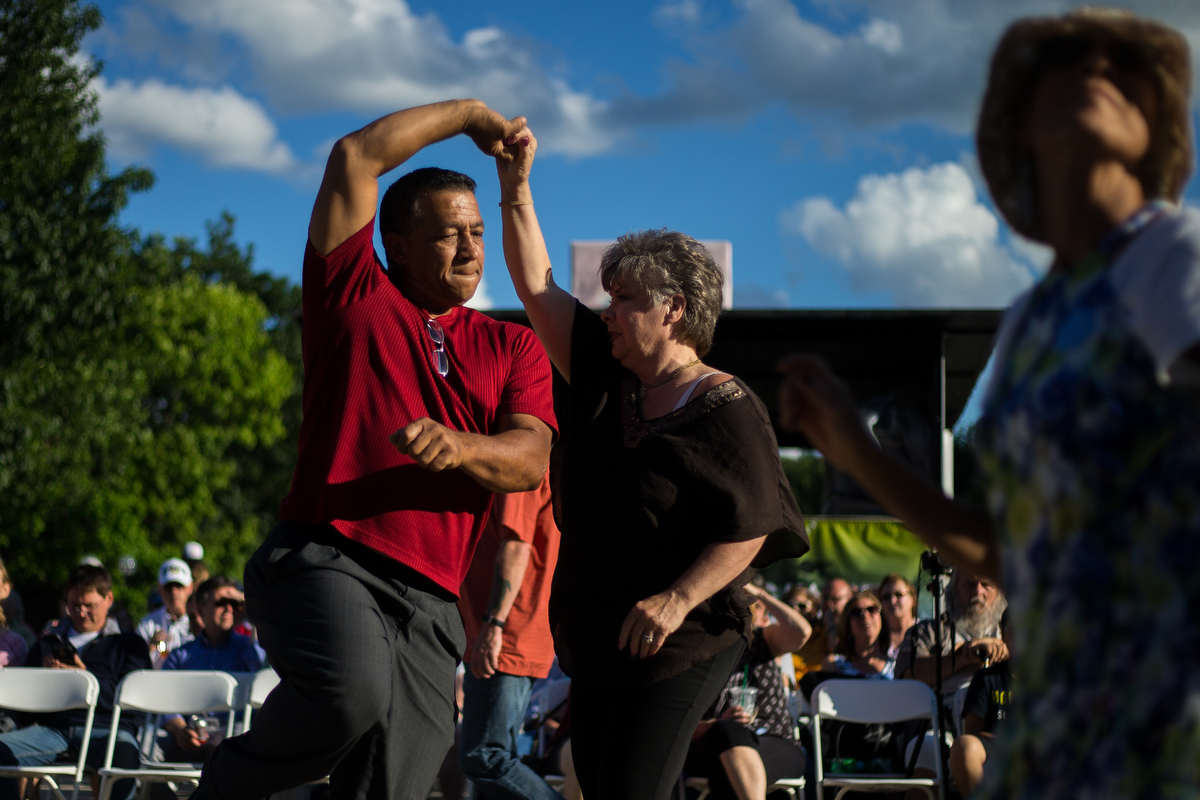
pixel 640 500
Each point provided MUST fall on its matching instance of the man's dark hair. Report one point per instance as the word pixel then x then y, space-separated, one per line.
pixel 89 578
pixel 402 201
pixel 207 589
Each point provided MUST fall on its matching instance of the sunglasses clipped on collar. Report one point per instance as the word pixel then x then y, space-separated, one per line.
pixel 862 611
pixel 1060 52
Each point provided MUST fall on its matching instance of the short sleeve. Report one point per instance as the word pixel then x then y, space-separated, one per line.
pixel 977 696
pixel 529 386
pixel 518 512
pixel 594 371
pixel 348 274
pixel 1158 281
pixel 915 645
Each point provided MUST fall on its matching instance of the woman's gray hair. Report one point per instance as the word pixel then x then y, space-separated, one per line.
pixel 666 263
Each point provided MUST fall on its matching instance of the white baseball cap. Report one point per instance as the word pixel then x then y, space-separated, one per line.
pixel 174 570
pixel 193 551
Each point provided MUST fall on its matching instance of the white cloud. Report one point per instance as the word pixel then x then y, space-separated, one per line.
pixel 921 235
pixel 916 60
pixel 685 11
pixel 221 125
pixel 375 56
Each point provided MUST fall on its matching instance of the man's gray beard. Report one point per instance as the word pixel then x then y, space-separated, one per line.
pixel 974 621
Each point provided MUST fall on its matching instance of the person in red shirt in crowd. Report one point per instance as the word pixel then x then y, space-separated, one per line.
pixel 505 604
pixel 416 409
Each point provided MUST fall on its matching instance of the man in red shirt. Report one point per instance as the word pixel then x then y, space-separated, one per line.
pixel 416 409
pixel 505 607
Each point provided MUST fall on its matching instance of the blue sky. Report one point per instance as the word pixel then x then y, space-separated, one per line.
pixel 829 140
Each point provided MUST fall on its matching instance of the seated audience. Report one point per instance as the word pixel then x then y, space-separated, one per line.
pixel 862 641
pixel 217 647
pixel 899 598
pixel 14 611
pixel 809 657
pixel 973 609
pixel 166 627
pixel 988 699
pixel 86 639
pixel 834 596
pixel 740 754
pixel 13 647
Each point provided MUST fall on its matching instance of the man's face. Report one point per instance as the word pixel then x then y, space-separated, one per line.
pixel 217 611
pixel 88 610
pixel 440 259
pixel 837 593
pixel 976 594
pixel 175 596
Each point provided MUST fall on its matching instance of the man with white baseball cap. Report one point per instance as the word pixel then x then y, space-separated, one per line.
pixel 166 628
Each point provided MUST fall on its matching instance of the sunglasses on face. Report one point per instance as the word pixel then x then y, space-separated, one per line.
pixel 229 602
pixel 804 605
pixel 893 595
pixel 861 612
pixel 1060 52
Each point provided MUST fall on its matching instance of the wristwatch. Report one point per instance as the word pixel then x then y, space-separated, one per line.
pixel 490 620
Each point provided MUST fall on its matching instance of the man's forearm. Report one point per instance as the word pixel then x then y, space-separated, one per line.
pixel 511 461
pixel 507 577
pixel 389 141
pixel 924 668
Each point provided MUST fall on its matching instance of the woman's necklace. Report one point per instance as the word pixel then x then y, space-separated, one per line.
pixel 648 386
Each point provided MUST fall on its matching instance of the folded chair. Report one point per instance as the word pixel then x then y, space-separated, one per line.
pixel 37 690
pixel 166 692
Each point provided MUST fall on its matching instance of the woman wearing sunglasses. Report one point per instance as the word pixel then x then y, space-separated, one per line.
pixel 862 647
pixel 1090 434
pixel 899 597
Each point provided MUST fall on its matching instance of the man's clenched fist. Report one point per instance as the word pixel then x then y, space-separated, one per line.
pixel 431 444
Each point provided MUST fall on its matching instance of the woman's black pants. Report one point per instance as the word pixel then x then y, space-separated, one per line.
pixel 629 740
pixel 781 758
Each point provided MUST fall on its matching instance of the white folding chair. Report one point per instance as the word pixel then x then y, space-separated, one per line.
pixel 166 692
pixel 873 702
pixel 46 691
pixel 790 785
pixel 960 703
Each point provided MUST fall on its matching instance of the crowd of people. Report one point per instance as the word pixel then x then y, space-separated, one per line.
pixel 665 492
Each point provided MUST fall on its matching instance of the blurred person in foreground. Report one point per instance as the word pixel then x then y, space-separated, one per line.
pixel 167 627
pixel 862 641
pixel 899 598
pixel 416 409
pixel 1089 439
pixel 87 639
pixel 216 647
pixel 671 490
pixel 742 754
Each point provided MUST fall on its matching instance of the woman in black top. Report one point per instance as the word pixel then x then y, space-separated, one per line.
pixel 741 755
pixel 670 490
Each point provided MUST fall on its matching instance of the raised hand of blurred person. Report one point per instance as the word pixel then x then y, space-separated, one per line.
pixel 815 402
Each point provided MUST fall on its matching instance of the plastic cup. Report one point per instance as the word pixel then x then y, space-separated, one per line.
pixel 744 698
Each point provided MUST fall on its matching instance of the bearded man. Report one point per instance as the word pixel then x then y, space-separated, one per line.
pixel 970 636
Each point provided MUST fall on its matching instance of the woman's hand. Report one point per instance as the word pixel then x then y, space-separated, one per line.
pixel 737 714
pixel 815 402
pixel 514 163
pixel 650 622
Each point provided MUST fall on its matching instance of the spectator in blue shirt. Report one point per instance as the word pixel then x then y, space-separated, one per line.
pixel 217 647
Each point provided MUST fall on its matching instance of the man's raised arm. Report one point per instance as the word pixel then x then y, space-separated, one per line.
pixel 350 192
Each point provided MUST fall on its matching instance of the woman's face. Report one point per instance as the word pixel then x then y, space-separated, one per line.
pixel 1097 98
pixel 637 325
pixel 897 603
pixel 865 623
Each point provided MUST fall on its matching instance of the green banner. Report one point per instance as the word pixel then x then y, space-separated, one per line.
pixel 859 549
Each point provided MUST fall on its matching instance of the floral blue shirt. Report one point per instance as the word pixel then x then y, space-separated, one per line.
pixel 1093 464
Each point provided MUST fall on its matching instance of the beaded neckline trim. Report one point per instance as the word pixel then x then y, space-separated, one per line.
pixel 636 429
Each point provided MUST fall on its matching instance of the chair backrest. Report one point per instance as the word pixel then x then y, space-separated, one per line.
pixel 245 680
pixel 176 691
pixel 874 701
pixel 44 690
pixel 960 703
pixel 264 681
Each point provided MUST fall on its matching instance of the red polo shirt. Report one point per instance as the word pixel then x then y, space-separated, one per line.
pixel 368 371
pixel 528 648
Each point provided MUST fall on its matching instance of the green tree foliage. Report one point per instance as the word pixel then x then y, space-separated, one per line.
pixel 807 477
pixel 146 392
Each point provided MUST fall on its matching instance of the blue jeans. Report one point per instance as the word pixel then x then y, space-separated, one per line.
pixel 38 745
pixel 493 710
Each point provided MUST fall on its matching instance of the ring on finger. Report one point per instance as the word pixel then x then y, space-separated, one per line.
pixel 648 637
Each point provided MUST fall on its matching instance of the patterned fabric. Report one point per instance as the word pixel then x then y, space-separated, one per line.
pixel 1094 469
pixel 757 668
pixel 843 665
